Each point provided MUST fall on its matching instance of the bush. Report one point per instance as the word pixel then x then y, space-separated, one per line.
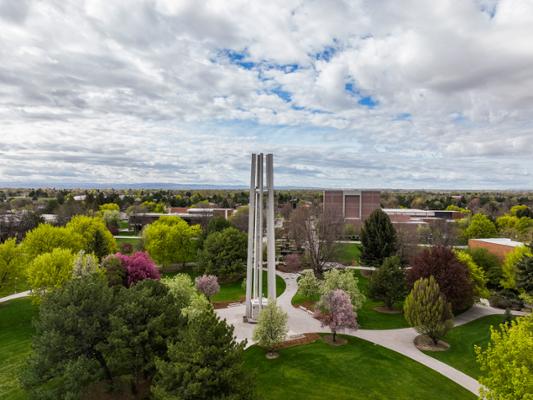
pixel 506 299
pixel 451 275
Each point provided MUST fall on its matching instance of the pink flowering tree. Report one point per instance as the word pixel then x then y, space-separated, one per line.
pixel 208 285
pixel 339 312
pixel 139 266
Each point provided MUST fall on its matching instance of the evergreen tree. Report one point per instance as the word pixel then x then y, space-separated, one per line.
pixel 378 238
pixel 207 363
pixel 426 309
pixel 388 282
pixel 524 274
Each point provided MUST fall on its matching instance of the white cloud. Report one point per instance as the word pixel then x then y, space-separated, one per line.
pixel 181 91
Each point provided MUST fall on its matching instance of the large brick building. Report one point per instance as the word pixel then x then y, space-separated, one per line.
pixel 500 247
pixel 354 206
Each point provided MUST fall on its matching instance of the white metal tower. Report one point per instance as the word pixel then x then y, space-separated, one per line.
pixel 254 276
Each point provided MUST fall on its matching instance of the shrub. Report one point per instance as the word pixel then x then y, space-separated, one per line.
pixel 427 310
pixel 388 282
pixel 309 285
pixel 451 275
pixel 506 299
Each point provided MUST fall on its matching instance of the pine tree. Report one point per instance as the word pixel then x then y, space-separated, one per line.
pixel 378 238
pixel 427 311
pixel 524 275
pixel 207 363
pixel 388 282
pixel 271 327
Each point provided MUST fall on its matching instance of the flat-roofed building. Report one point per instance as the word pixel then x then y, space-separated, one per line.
pixel 354 206
pixel 500 247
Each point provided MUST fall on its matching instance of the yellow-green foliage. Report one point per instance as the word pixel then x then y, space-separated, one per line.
pixel 453 207
pixel 509 266
pixel 507 363
pixel 96 238
pixel 476 274
pixel 109 207
pixel 11 261
pixel 45 238
pixel 170 240
pixel 50 270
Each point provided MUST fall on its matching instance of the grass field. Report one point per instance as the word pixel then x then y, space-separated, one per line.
pixel 358 370
pixel 367 317
pixel 348 253
pixel 15 338
pixel 235 291
pixel 462 339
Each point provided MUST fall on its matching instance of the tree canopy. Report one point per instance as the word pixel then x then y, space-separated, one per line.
pixel 388 282
pixel 50 271
pixel 480 226
pixel 378 238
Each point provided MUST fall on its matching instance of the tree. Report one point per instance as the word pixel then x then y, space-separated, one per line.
pixel 145 319
pixel 181 287
pixel 115 271
pixel 11 262
pixel 217 224
pixel 477 275
pixel 339 312
pixel 50 271
pixel 207 363
pixel 239 219
pixel 521 211
pixel 208 285
pixel 506 368
pixel 345 281
pixel 139 266
pixel 85 264
pixel 480 226
pixel 451 275
pixel 427 310
pixel 170 240
pixel 378 238
pixel 109 207
pixel 316 230
pixel 524 275
pixel 271 327
pixel 71 327
pixel 46 238
pixel 293 262
pixel 309 285
pixel 509 266
pixel 490 264
pixel 224 255
pixel 388 282
pixel 96 237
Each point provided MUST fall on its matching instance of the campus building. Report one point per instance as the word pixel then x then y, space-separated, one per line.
pixel 354 206
pixel 500 247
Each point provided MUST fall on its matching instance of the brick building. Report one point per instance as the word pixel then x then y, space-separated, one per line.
pixel 500 247
pixel 353 205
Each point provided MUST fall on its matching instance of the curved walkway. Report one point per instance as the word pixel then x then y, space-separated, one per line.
pixel 15 296
pixel 399 340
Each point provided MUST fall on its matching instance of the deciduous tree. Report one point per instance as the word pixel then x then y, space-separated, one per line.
pixel 477 275
pixel 171 240
pixel 510 262
pixel 345 281
pixel 96 238
pixel 50 271
pixel 11 262
pixel 452 276
pixel 46 238
pixel 339 311
pixel 139 266
pixel 480 226
pixel 271 327
pixel 506 367
pixel 208 285
pixel 427 310
pixel 85 264
pixel 378 238
pixel 309 285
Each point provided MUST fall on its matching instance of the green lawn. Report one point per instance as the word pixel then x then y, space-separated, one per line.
pixel 367 317
pixel 348 253
pixel 12 287
pixel 234 291
pixel 15 339
pixel 462 339
pixel 357 370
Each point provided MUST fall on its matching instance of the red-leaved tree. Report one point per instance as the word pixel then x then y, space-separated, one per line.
pixel 139 266
pixel 452 276
pixel 208 285
pixel 340 314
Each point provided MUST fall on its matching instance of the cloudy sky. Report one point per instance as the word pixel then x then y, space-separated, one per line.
pixel 402 94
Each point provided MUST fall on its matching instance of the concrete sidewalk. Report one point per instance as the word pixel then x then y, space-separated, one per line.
pixel 15 296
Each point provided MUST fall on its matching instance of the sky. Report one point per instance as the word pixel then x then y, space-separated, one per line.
pixel 356 94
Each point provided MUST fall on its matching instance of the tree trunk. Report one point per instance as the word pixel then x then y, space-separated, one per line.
pixel 334 336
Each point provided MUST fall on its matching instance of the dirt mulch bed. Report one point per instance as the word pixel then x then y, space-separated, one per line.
pixel 310 305
pixel 308 338
pixel 386 310
pixel 425 343
pixel 340 341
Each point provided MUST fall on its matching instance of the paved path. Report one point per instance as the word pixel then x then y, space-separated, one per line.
pixel 15 296
pixel 399 340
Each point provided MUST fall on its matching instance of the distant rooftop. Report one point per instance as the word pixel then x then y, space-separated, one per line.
pixel 502 241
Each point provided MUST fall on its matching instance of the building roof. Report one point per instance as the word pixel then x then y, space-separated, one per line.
pixel 501 241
